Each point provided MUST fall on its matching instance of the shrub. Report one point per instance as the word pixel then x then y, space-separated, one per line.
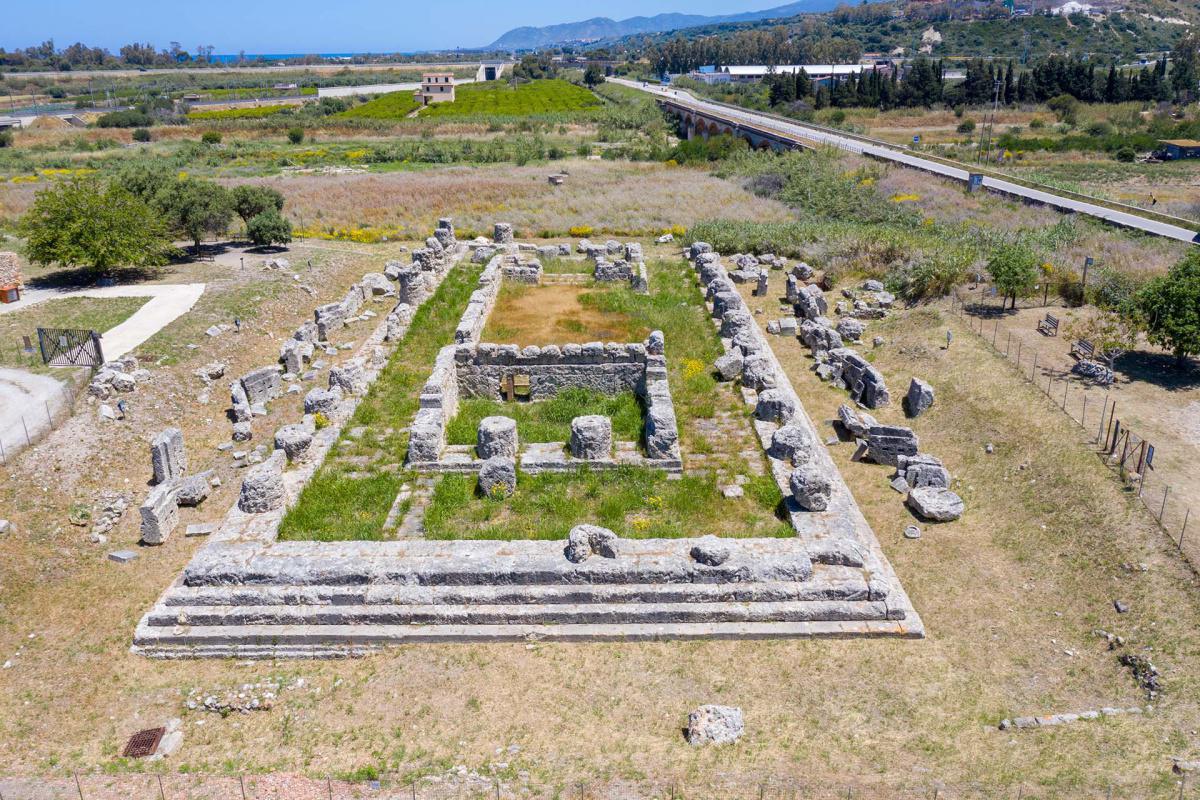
pixel 1170 306
pixel 269 228
pixel 580 231
pixel 210 137
pixel 125 119
pixel 295 135
pixel 966 126
pixel 1126 154
pixel 1036 123
pixel 141 134
pixel 6 138
pixel 1099 128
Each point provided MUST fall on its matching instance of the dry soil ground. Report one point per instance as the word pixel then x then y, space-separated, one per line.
pixel 1011 596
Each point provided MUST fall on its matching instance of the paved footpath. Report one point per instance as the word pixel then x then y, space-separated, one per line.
pixel 768 124
pixel 168 302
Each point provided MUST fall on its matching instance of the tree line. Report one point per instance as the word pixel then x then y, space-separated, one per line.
pixel 133 218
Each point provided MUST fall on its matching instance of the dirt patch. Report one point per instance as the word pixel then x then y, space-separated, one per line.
pixel 542 315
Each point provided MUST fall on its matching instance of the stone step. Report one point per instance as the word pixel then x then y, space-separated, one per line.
pixel 416 562
pixel 525 614
pixel 331 641
pixel 828 583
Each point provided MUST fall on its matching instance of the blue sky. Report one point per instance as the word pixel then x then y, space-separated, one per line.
pixel 276 26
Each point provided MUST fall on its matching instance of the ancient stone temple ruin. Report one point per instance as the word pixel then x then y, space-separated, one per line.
pixel 246 594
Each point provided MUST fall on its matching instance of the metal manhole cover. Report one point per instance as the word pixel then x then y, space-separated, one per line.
pixel 143 743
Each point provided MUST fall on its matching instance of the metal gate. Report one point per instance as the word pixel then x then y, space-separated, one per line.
pixel 62 347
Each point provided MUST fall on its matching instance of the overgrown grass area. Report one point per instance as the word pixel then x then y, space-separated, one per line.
pixel 550 420
pixel 257 112
pixel 349 500
pixel 80 313
pixel 560 314
pixel 499 99
pixel 394 105
pixel 632 501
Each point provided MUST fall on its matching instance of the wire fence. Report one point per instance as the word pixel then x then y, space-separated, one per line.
pixel 1129 454
pixel 23 427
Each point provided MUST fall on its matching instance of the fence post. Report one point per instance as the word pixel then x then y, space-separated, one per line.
pixel 1163 509
pixel 995 333
pixel 1066 388
pixel 1033 372
pixel 1083 422
pixel 1008 345
pixel 26 427
pixel 1018 353
pixel 1186 516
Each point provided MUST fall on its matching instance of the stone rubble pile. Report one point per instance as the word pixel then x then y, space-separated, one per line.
pixel 120 376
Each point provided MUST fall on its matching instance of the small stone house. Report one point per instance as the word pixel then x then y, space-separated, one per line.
pixel 436 87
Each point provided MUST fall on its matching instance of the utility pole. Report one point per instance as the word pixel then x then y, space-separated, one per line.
pixel 986 151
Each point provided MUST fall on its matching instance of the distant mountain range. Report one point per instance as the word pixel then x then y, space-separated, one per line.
pixel 598 28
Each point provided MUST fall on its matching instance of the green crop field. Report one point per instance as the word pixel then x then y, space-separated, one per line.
pixel 394 105
pixel 500 99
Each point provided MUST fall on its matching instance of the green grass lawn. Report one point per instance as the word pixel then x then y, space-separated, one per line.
pixel 336 505
pixel 394 105
pixel 632 501
pixel 550 420
pixel 82 313
pixel 497 98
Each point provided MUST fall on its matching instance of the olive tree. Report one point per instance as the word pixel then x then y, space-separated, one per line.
pixel 1170 308
pixel 87 223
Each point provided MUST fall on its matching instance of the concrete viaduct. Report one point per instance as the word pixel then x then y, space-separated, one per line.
pixel 704 118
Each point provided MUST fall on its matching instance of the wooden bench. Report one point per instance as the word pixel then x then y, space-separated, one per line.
pixel 1048 326
pixel 1083 349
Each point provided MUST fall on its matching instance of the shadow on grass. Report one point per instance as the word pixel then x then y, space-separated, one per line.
pixel 85 277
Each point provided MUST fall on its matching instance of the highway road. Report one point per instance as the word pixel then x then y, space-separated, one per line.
pixel 807 134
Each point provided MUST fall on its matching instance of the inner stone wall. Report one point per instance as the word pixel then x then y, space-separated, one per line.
pixel 607 368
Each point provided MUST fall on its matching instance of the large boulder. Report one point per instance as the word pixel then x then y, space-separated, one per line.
pixel 919 398
pixel 850 329
pixel 376 283
pixel 591 437
pixel 498 477
pixel 502 233
pixel 811 487
pixel 935 503
pixel 194 490
pixel 711 724
pixel 496 436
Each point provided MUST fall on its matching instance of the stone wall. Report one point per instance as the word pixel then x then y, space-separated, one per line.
pixel 607 368
pixel 10 273
pixel 483 300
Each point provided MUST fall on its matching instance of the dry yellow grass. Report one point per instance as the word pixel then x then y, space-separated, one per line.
pixel 1005 593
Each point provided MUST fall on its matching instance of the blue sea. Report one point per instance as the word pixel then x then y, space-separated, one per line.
pixel 231 58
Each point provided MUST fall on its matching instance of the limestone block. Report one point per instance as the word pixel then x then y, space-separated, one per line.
pixel 935 503
pixel 729 366
pixel 811 488
pixel 923 470
pixel 591 437
pixel 294 441
pixel 711 724
pixel 586 540
pixel 261 385
pixel 655 343
pixel 497 436
pixel 498 477
pixel 774 406
pixel 919 398
pixel 159 513
pixel 262 488
pixel 857 423
pixel 322 401
pixel 810 302
pixel 502 233
pixel 194 490
pixel 427 435
pixel 710 551
pixel 850 329
pixel 699 248
pixel 758 373
pixel 886 443
pixel 349 377
pixel 662 428
pixel 242 432
pixel 167 457
pixel 791 443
